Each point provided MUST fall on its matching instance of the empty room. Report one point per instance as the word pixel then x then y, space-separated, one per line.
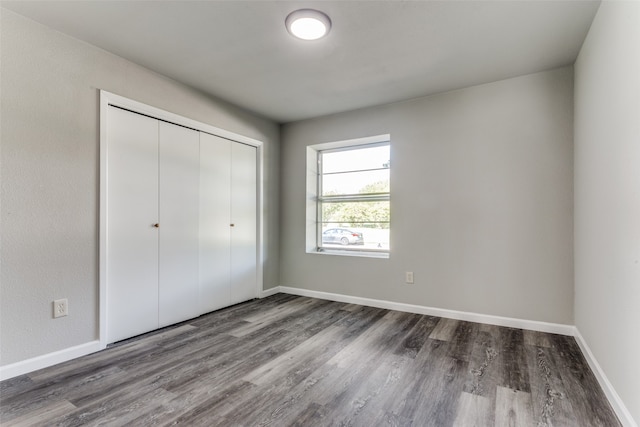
pixel 320 213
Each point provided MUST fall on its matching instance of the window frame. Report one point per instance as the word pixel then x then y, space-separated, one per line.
pixel 315 198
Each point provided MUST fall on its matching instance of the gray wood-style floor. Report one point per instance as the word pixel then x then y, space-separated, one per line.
pixel 295 361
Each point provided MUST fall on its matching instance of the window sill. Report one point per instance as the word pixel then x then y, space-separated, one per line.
pixel 352 253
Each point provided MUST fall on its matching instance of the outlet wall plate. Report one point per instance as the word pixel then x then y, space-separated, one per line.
pixel 60 308
pixel 408 277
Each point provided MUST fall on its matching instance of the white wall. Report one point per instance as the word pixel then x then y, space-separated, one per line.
pixel 607 196
pixel 50 179
pixel 481 203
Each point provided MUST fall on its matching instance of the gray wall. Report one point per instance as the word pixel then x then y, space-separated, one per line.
pixel 481 203
pixel 607 196
pixel 50 177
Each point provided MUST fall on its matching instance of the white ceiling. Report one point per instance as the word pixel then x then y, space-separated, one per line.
pixel 377 51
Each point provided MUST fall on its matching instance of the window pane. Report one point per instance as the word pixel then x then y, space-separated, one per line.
pixel 353 203
pixel 358 238
pixel 376 157
pixel 373 181
pixel 357 214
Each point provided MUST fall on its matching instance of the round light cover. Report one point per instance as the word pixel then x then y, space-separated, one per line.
pixel 308 24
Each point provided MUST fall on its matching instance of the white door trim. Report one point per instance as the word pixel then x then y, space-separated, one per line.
pixel 110 99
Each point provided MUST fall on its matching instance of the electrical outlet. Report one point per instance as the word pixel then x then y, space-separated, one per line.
pixel 60 308
pixel 408 277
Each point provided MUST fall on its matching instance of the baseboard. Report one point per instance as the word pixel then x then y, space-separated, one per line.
pixel 614 399
pixel 554 328
pixel 46 360
pixel 269 292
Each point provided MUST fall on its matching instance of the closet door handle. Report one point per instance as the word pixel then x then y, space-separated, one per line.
pixel 156 225
pixel 232 225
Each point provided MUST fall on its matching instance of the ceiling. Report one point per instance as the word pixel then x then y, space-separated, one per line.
pixel 377 52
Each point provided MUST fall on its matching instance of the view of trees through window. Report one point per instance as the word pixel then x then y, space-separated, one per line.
pixel 353 208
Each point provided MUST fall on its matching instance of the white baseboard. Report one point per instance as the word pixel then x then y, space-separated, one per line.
pixel 46 360
pixel 269 292
pixel 614 399
pixel 554 328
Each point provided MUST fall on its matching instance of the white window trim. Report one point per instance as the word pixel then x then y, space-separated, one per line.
pixel 312 237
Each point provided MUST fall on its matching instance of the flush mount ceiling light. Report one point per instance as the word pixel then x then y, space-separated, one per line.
pixel 308 24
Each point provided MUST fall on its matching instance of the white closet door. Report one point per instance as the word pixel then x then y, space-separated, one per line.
pixel 179 223
pixel 215 220
pixel 132 211
pixel 244 220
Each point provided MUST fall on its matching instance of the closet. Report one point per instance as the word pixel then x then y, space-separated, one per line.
pixel 228 223
pixel 181 223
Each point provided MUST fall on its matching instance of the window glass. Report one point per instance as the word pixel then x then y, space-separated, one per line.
pixel 359 182
pixel 355 158
pixel 353 201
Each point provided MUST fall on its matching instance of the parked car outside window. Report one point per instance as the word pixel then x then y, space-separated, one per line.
pixel 342 236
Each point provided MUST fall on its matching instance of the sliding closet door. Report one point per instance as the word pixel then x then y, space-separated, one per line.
pixel 132 248
pixel 244 220
pixel 179 180
pixel 215 222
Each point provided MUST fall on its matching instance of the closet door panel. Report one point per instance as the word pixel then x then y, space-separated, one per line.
pixel 244 218
pixel 132 211
pixel 215 221
pixel 179 182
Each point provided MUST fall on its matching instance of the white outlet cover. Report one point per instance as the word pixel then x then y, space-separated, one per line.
pixel 60 308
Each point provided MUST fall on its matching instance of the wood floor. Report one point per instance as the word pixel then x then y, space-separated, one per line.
pixel 295 361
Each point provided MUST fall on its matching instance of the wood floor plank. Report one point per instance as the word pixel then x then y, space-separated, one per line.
pixel 417 390
pixel 444 330
pixel 41 416
pixel 118 408
pixel 474 411
pixel 513 408
pixel 581 387
pixel 261 352
pixel 260 320
pixel 368 342
pixel 307 417
pixel 462 340
pixel 322 383
pixel 106 358
pixel 550 406
pixel 363 391
pixel 514 360
pixel 536 339
pixel 316 319
pixel 230 366
pixel 201 408
pixel 351 307
pixel 360 403
pixel 455 371
pixel 484 369
pixel 42 394
pixel 310 352
pixel 279 311
pixel 394 420
pixel 15 385
pixel 484 376
pixel 415 339
pixel 295 361
pixel 440 409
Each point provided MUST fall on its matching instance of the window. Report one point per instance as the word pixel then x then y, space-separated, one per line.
pixel 352 207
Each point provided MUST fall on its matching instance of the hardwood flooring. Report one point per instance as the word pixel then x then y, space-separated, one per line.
pixel 295 361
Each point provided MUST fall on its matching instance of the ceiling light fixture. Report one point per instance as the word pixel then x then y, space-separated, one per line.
pixel 308 24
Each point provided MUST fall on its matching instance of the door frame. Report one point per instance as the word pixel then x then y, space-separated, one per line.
pixel 108 99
